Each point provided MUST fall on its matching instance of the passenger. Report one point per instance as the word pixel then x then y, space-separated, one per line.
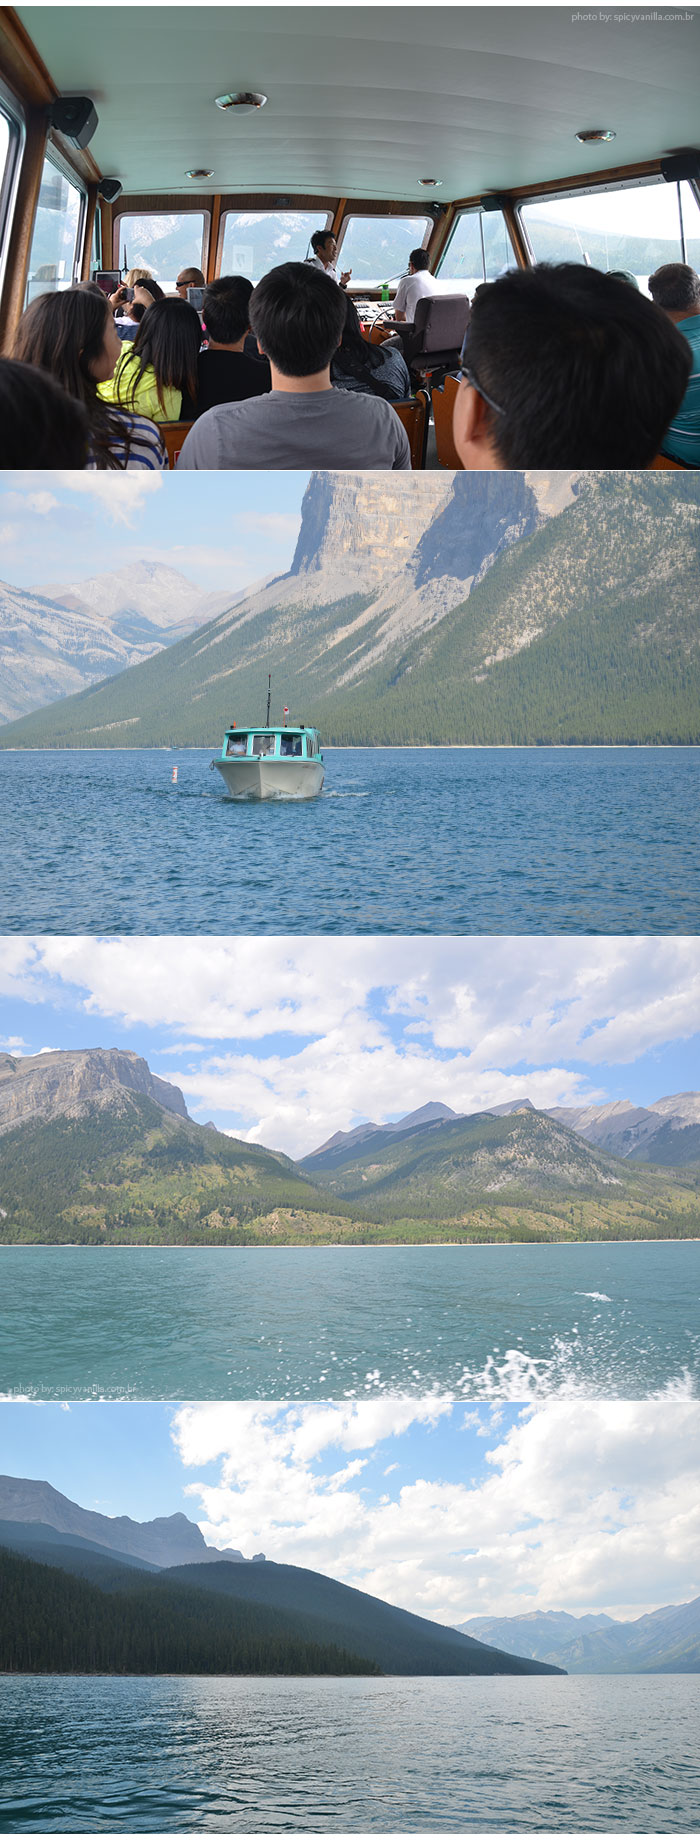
pixel 156 374
pixel 380 370
pixel 40 424
pixel 325 250
pixel 564 367
pixel 130 304
pixel 414 286
pixel 72 335
pixel 298 318
pixel 227 372
pixel 189 278
pixel 675 288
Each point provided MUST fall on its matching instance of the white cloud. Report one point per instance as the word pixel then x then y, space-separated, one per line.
pixel 121 496
pixel 465 1011
pixel 38 503
pixel 584 1506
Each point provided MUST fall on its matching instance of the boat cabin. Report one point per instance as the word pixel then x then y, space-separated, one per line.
pixel 281 743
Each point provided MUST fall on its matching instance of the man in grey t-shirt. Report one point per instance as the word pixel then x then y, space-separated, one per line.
pixel 298 315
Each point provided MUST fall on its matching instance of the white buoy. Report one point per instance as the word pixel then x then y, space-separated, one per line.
pixel 174 776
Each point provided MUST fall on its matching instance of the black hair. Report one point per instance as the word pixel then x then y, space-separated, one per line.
pixel 41 425
pixel 64 333
pixel 419 259
pixel 318 238
pixel 151 286
pixel 586 371
pixel 226 309
pixel 356 358
pixel 298 316
pixel 168 338
pixel 676 287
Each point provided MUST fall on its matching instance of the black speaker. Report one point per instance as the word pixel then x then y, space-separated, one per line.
pixel 682 166
pixel 75 117
pixel 494 201
pixel 109 189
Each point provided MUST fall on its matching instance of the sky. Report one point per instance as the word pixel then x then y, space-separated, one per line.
pixel 222 531
pixel 450 1511
pixel 286 1040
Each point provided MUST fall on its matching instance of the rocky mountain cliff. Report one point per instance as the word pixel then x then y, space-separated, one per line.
pixel 168 1542
pixel 69 1083
pixel 145 602
pixel 665 1133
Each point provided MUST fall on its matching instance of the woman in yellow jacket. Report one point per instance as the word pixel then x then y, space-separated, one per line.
pixel 156 373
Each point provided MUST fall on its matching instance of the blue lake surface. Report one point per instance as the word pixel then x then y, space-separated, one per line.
pixel 401 841
pixel 452 1754
pixel 508 1323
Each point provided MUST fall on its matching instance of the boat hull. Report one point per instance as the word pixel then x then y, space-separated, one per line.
pixel 278 779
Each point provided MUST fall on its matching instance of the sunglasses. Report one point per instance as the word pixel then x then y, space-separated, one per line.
pixel 467 376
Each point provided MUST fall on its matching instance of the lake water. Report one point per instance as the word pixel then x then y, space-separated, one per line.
pixel 406 841
pixel 360 1754
pixel 510 1323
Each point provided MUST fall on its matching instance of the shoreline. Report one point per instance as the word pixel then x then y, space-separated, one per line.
pixel 360 748
pixel 624 1241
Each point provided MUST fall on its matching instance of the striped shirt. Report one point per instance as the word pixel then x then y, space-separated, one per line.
pixel 146 447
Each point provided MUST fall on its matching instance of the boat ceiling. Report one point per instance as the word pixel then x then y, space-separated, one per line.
pixel 365 101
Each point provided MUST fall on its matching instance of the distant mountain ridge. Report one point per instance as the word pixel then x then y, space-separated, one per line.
pixel 667 1132
pixel 61 637
pixel 666 1640
pixel 482 609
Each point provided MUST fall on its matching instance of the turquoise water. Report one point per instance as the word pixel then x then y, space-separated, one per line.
pixel 402 841
pixel 229 1323
pixel 452 1754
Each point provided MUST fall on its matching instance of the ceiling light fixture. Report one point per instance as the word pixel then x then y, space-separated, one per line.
pixel 199 172
pixel 595 134
pixel 430 182
pixel 245 102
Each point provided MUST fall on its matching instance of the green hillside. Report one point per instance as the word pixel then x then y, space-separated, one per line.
pixel 585 631
pixel 401 1643
pixel 524 1158
pixel 54 1622
pixel 136 1173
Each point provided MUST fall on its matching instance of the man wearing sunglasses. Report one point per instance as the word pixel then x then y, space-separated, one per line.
pixel 563 366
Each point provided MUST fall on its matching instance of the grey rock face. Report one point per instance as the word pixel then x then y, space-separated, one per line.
pixel 68 1082
pixel 169 1542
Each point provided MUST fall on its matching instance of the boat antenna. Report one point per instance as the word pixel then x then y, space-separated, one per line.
pixel 269 695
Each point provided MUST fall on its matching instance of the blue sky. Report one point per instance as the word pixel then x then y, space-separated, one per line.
pixel 221 530
pixel 288 1040
pixel 452 1510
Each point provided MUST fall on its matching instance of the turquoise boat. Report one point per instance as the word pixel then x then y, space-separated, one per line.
pixel 272 762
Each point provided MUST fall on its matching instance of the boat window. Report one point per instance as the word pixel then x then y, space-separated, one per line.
pixel 290 745
pixel 11 140
pixel 377 249
pixel 53 260
pixel 163 241
pixel 264 745
pixel 238 744
pixel 637 227
pixel 257 241
pixel 478 250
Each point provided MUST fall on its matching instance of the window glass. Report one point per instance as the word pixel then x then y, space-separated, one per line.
pixel 52 260
pixel 4 145
pixel 163 241
pixel 377 249
pixel 479 250
pixel 238 744
pixel 633 227
pixel 264 745
pixel 256 241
